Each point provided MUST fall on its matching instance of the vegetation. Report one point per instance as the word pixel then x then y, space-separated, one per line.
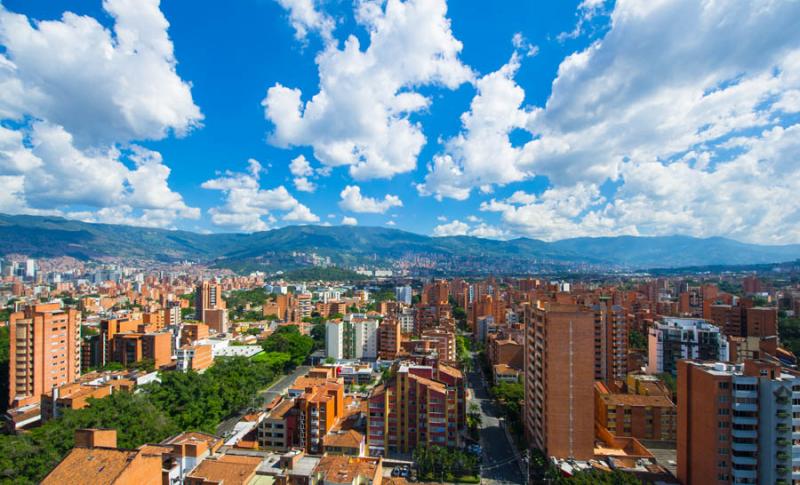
pixel 4 351
pixel 462 352
pixel 241 303
pixel 29 457
pixel 331 273
pixel 637 341
pixel 437 463
pixel 510 396
pixel 670 381
pixel 595 477
pixel 289 339
pixel 180 402
pixel 789 330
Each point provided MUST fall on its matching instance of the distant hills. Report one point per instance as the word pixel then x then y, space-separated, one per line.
pixel 347 245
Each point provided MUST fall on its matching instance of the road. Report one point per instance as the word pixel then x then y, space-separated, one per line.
pixel 500 458
pixel 274 390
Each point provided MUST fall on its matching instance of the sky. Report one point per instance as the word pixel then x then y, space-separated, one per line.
pixel 540 119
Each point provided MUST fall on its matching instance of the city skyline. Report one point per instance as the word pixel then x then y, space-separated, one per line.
pixel 544 121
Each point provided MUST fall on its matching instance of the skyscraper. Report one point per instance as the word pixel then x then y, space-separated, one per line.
pixel 44 351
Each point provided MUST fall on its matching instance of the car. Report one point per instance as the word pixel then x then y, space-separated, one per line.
pixel 475 449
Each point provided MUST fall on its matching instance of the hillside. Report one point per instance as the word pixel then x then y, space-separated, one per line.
pixel 345 245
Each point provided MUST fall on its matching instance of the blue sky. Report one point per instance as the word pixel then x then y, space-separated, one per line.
pixel 514 118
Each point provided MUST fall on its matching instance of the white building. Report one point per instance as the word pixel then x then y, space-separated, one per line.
pixel 673 339
pixel 403 294
pixel 334 340
pixel 406 319
pixel 354 338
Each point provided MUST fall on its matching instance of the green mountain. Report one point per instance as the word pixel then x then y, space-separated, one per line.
pixel 345 245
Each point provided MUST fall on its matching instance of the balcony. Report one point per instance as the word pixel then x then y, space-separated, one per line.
pixel 782 456
pixel 744 460
pixel 744 433
pixel 744 447
pixel 741 406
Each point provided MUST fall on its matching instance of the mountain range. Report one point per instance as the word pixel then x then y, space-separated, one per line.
pixel 38 236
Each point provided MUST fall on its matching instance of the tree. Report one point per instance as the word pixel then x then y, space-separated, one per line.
pixel 289 339
pixel 636 340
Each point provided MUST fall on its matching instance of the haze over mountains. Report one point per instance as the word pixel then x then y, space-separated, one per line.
pixel 54 236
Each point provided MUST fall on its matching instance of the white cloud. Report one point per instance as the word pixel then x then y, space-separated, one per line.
pixel 103 87
pixel 305 17
pixel 458 228
pixel 249 208
pixel 483 153
pixel 77 95
pixel 454 228
pixel 301 169
pixel 349 221
pixel 661 111
pixel 53 175
pixel 360 116
pixel 391 223
pixel 353 201
pixel 441 218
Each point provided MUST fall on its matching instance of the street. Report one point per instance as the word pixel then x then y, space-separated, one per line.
pixel 500 463
pixel 270 393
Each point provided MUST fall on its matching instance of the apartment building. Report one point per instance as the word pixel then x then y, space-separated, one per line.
pixel 132 347
pixel 44 351
pixel 737 423
pixel 442 341
pixel 192 332
pixel 420 405
pixel 389 338
pixel 673 339
pixel 635 415
pixel 197 357
pixel 355 337
pixel 320 403
pixel 559 380
pixel 210 306
pixel 610 341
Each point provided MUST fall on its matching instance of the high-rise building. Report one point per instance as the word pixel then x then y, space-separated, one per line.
pixel 389 338
pixel 736 423
pixel 610 341
pixel 673 339
pixel 403 294
pixel 210 306
pixel 44 351
pixel 30 268
pixel 419 405
pixel 559 380
pixel 355 337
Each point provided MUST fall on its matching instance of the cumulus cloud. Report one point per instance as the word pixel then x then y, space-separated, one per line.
pixel 250 208
pixel 353 201
pixel 483 153
pixel 54 173
pixel 103 87
pixel 661 101
pixel 77 95
pixel 305 16
pixel 458 228
pixel 349 221
pixel 360 116
pixel 301 169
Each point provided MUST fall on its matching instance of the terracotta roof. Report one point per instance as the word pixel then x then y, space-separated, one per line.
pixel 227 469
pixel 345 469
pixel 345 439
pixel 97 465
pixel 281 409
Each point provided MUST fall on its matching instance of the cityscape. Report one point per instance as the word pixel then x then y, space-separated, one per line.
pixel 391 242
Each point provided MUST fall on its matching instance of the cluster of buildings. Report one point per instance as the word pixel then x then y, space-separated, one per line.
pixel 53 348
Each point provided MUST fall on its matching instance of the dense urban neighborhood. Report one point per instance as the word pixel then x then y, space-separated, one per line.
pixel 186 374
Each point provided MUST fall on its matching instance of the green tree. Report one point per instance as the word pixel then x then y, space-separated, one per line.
pixel 289 339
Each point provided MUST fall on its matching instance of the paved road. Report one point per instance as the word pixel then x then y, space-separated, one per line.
pixel 270 393
pixel 499 464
